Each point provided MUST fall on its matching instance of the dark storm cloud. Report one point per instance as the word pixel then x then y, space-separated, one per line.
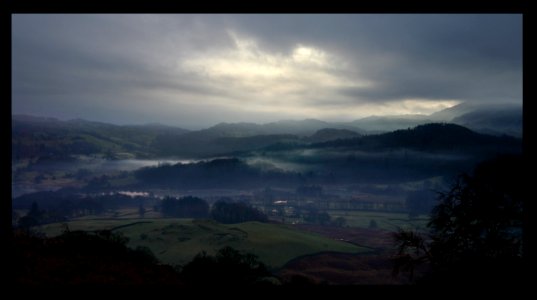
pixel 448 38
pixel 197 70
pixel 469 57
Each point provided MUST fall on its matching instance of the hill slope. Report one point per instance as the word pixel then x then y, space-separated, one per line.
pixel 47 137
pixel 497 119
pixel 433 137
pixel 177 241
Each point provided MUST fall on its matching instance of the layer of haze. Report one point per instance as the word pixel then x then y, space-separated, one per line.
pixel 198 70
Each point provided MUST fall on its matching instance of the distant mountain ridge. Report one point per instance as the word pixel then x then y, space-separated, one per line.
pixel 49 137
pixel 379 124
pixel 329 134
pixel 494 119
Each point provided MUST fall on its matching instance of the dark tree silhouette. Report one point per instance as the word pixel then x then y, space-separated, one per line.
pixel 236 212
pixel 86 259
pixel 412 251
pixel 317 217
pixel 228 267
pixel 340 222
pixel 476 229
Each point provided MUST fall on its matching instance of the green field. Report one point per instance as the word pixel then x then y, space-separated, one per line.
pixel 385 220
pixel 177 241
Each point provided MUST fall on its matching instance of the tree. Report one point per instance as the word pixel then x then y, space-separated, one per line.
pixel 228 267
pixel 340 222
pixel 412 251
pixel 317 217
pixel 236 212
pixel 475 230
pixel 99 258
pixel 479 219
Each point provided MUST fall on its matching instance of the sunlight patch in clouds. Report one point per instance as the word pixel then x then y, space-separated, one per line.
pixel 309 55
pixel 425 106
pixel 299 84
pixel 411 106
pixel 257 74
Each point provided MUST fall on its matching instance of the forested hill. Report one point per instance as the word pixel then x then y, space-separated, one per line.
pixel 433 137
pixel 36 137
pixel 218 173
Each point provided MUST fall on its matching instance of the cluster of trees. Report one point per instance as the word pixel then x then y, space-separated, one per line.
pixel 430 137
pixel 217 173
pixel 60 213
pixel 102 258
pixel 475 230
pixel 228 267
pixel 79 257
pixel 236 212
pixel 72 202
pixel 50 207
pixel 224 210
pixel 315 216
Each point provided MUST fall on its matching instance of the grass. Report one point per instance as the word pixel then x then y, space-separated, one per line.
pixel 385 220
pixel 177 241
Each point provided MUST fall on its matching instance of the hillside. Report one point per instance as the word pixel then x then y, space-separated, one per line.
pixel 497 122
pixel 217 173
pixel 329 134
pixel 225 138
pixel 34 137
pixel 379 124
pixel 496 119
pixel 433 137
pixel 177 241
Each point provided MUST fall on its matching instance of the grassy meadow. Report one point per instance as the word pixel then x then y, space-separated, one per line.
pixel 177 241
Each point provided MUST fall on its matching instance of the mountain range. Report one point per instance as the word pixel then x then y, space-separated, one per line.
pixel 49 137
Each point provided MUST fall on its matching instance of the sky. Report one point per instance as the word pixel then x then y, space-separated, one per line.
pixel 195 71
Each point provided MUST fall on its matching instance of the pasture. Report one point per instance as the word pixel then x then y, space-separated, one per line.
pixel 177 241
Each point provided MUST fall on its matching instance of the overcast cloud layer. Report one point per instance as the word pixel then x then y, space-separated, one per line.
pixel 197 70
